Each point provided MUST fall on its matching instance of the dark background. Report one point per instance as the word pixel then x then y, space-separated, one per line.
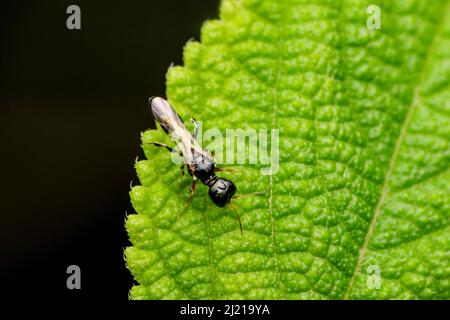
pixel 73 104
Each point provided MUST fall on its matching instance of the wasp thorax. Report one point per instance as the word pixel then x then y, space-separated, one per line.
pixel 204 168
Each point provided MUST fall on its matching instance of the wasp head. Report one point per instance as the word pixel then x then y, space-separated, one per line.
pixel 222 191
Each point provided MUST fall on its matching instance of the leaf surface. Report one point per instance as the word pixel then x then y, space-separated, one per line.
pixel 363 183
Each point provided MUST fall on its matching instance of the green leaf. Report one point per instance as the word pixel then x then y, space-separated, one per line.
pixel 363 185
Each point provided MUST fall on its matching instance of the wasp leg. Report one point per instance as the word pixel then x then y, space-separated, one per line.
pixel 189 200
pixel 158 144
pixel 224 169
pixel 196 128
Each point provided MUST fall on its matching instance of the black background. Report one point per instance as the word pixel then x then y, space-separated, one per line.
pixel 73 104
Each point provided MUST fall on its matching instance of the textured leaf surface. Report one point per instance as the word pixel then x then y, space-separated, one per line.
pixel 364 120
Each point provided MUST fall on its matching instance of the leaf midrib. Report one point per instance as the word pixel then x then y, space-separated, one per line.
pixel 385 188
pixel 275 91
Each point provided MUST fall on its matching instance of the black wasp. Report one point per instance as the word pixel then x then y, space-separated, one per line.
pixel 200 164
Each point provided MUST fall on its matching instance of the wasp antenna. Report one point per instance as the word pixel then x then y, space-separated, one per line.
pixel 249 195
pixel 240 223
pixel 237 214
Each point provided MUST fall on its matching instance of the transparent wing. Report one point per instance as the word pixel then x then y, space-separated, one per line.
pixel 165 115
pixel 174 126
